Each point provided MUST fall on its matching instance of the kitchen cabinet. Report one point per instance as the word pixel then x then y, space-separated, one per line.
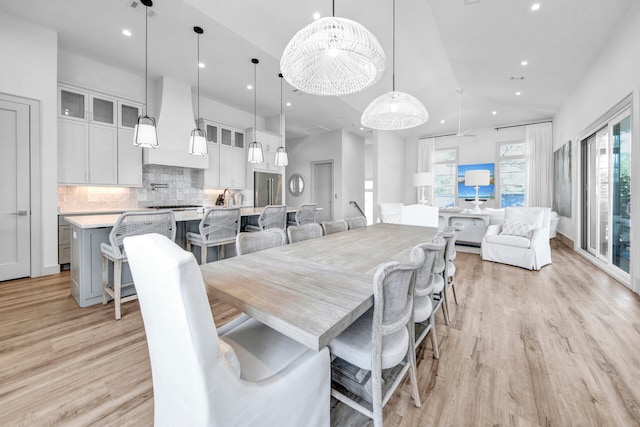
pixel 95 139
pixel 227 162
pixel 64 241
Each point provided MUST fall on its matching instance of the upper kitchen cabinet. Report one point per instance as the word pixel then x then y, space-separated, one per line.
pixel 211 175
pixel 95 134
pixel 227 158
pixel 270 142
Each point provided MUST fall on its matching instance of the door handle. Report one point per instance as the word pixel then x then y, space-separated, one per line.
pixel 21 213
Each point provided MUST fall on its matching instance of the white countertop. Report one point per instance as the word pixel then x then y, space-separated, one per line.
pixel 108 220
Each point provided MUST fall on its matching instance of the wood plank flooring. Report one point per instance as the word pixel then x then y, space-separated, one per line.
pixel 557 347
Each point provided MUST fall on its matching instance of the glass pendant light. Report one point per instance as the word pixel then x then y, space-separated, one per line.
pixel 394 110
pixel 282 158
pixel 198 139
pixel 333 56
pixel 145 133
pixel 255 148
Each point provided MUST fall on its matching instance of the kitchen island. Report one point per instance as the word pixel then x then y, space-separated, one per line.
pixel 89 231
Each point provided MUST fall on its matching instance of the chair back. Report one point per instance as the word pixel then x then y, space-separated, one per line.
pixel 331 227
pixel 540 217
pixel 247 243
pixel 306 213
pixel 128 224
pixel 273 216
pixel 220 224
pixel 421 215
pixel 449 235
pixel 390 212
pixel 439 262
pixel 424 273
pixel 356 222
pixel 298 233
pixel 181 333
pixel 393 289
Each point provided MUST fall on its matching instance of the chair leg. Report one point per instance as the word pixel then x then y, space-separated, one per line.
pixel 453 288
pixel 376 391
pixel 445 306
pixel 105 278
pixel 221 252
pixel 413 376
pixel 203 254
pixel 434 338
pixel 117 285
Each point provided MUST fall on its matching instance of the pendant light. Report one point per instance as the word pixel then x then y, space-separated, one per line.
pixel 198 139
pixel 333 56
pixel 145 133
pixel 282 158
pixel 394 110
pixel 255 148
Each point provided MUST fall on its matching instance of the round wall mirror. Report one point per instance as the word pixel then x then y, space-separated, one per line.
pixel 296 184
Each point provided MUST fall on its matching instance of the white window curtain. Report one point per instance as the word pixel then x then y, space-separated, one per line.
pixel 539 140
pixel 426 150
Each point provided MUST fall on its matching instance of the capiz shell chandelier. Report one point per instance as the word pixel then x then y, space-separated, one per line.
pixel 333 56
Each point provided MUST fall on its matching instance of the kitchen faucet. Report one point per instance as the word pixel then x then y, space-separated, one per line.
pixel 224 196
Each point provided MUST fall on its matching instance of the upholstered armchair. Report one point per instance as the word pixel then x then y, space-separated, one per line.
pixel 522 240
pixel 243 374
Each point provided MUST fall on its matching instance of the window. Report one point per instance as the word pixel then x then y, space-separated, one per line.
pixel 368 200
pixel 512 172
pixel 445 169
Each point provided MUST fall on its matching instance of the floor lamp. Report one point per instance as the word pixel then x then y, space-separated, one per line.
pixel 423 180
pixel 477 178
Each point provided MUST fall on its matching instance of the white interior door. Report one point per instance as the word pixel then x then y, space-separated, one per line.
pixel 15 246
pixel 323 189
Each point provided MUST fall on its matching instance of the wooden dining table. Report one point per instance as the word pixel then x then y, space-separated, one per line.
pixel 313 290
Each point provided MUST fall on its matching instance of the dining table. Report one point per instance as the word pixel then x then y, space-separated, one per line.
pixel 312 290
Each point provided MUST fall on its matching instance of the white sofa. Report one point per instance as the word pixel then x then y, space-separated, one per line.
pixel 507 243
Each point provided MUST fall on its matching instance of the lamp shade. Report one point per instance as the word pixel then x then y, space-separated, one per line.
pixel 394 111
pixel 477 177
pixel 333 56
pixel 255 153
pixel 198 143
pixel 145 134
pixel 282 158
pixel 422 179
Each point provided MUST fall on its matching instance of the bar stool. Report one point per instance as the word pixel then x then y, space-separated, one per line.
pixel 305 214
pixel 130 224
pixel 272 216
pixel 218 227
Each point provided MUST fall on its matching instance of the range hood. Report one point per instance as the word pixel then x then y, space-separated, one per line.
pixel 175 123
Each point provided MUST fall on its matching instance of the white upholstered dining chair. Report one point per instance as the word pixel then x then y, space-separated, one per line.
pixel 243 374
pixel 129 224
pixel 356 222
pixel 272 216
pixel 218 227
pixel 383 337
pixel 423 304
pixel 298 233
pixel 332 227
pixel 247 243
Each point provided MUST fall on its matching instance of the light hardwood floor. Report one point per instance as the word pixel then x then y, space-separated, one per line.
pixel 556 347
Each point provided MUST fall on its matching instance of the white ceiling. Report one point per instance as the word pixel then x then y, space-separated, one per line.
pixel 441 45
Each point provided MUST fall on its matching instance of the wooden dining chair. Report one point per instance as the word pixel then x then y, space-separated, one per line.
pixel 332 227
pixel 272 216
pixel 247 243
pixel 242 374
pixel 423 305
pixel 383 337
pixel 356 222
pixel 129 224
pixel 298 233
pixel 218 227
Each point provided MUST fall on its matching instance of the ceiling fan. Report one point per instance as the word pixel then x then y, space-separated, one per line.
pixel 460 131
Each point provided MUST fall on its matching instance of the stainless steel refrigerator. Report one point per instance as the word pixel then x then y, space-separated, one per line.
pixel 267 189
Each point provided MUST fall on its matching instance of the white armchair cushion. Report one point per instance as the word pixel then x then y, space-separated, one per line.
pixel 508 240
pixel 525 215
pixel 517 228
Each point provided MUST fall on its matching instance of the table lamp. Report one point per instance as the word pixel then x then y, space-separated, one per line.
pixel 477 178
pixel 422 180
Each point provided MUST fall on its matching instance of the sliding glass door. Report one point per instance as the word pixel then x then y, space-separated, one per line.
pixel 606 204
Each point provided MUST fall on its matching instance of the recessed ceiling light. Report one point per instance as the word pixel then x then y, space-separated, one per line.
pixel 518 93
pixel 249 87
pixel 316 15
pixel 288 104
pixel 535 6
pixel 361 128
pixel 524 63
pixel 126 32
pixel 494 112
pixel 442 121
pixel 201 64
pixel 516 78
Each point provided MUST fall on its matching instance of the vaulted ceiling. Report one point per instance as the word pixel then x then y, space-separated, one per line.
pixel 441 46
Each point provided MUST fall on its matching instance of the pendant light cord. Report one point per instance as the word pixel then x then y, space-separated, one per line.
pixel 198 76
pixel 281 135
pixel 255 101
pixel 393 59
pixel 333 8
pixel 146 60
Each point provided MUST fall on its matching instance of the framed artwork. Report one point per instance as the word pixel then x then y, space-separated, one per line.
pixel 485 192
pixel 562 180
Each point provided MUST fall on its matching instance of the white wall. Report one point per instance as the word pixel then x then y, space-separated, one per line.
pixel 614 75
pixel 352 172
pixel 388 169
pixel 29 70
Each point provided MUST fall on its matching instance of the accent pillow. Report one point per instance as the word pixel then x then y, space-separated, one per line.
pixel 516 228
